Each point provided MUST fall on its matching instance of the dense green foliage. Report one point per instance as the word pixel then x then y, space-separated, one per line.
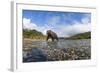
pixel 86 35
pixel 34 34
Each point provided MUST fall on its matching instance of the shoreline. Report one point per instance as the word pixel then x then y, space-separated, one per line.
pixel 29 39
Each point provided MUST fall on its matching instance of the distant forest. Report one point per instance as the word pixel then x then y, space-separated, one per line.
pixel 86 35
pixel 33 34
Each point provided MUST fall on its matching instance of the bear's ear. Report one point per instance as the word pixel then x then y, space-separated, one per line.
pixel 49 30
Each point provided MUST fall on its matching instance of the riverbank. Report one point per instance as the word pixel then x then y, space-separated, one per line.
pixel 29 39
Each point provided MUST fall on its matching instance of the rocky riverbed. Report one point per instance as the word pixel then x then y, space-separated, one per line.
pixel 37 51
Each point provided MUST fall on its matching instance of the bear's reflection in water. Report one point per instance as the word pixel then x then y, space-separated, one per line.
pixel 52 45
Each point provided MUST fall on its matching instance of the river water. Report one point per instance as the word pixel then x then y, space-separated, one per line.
pixel 55 51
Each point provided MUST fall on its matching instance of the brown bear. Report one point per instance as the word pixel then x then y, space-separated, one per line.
pixel 51 35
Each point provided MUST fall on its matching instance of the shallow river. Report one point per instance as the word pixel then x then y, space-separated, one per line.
pixel 55 51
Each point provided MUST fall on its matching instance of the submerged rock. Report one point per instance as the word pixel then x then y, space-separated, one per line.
pixel 35 55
